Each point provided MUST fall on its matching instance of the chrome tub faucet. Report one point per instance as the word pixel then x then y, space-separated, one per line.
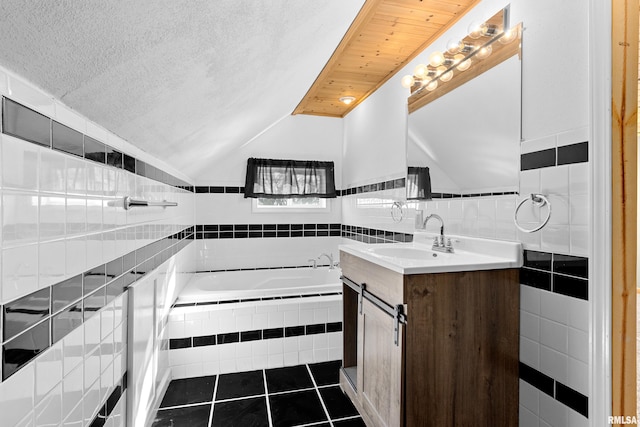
pixel 330 258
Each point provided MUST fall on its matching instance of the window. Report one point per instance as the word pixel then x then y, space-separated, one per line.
pixel 418 183
pixel 291 203
pixel 294 180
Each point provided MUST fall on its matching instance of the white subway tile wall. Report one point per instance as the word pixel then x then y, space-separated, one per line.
pixel 62 215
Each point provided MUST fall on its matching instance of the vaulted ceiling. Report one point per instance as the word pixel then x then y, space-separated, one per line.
pixel 184 79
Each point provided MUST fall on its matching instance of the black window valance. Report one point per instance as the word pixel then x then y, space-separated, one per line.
pixel 418 183
pixel 280 179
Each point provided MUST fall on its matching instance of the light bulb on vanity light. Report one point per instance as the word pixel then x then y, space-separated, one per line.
pixel 463 64
pixel 407 81
pixel 508 36
pixel 484 52
pixel 454 46
pixel 445 75
pixel 436 59
pixel 432 85
pixel 477 29
pixel 421 71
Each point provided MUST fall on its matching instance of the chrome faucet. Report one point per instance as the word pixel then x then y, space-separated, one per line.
pixel 314 262
pixel 330 258
pixel 440 243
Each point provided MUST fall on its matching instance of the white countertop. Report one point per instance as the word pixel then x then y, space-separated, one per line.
pixel 470 254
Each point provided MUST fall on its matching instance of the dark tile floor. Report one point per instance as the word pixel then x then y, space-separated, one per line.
pixel 304 395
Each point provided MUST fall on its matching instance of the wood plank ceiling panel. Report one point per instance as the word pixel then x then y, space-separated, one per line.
pixel 384 36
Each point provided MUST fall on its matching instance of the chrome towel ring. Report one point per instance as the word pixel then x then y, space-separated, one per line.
pixel 538 200
pixel 397 211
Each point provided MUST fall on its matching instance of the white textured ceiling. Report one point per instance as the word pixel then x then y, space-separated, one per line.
pixel 184 80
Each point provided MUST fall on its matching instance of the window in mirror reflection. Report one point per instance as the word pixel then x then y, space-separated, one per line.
pixel 418 183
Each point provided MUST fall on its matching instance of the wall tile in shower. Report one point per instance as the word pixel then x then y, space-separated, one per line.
pixel 24 123
pixel 52 262
pixel 114 157
pixel 65 293
pixel 52 220
pixel 25 312
pixel 23 348
pixel 66 321
pixel 65 139
pixel 76 176
pixel 19 218
pixel 19 271
pixel 52 172
pixel 17 396
pixel 94 150
pixel 76 255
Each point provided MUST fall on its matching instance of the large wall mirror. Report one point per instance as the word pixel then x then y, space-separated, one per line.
pixel 469 136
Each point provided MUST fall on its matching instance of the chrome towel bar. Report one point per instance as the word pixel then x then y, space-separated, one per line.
pixel 130 203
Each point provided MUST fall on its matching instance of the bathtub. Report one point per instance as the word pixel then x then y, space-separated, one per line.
pixel 255 319
pixel 252 284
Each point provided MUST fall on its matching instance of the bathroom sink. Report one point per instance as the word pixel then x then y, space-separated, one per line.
pixel 403 252
pixel 470 254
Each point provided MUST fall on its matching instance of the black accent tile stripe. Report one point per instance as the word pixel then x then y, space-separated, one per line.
pixel 251 335
pixel 24 123
pixel 204 340
pixel 535 278
pixel 175 343
pixel 562 274
pixel 293 331
pixel 574 153
pixel 254 335
pixel 24 348
pixel 65 139
pixel 371 235
pixel 538 159
pixel 273 333
pixel 563 394
pixel 65 293
pixel 571 286
pixel 244 231
pixel 538 260
pixel 94 150
pixel 315 329
pixel 542 382
pixel 228 338
pixel 571 265
pixel 334 327
pixel 564 155
pixel 573 399
pixel 25 312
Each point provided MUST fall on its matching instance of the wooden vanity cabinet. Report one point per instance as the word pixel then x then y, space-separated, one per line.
pixel 456 358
